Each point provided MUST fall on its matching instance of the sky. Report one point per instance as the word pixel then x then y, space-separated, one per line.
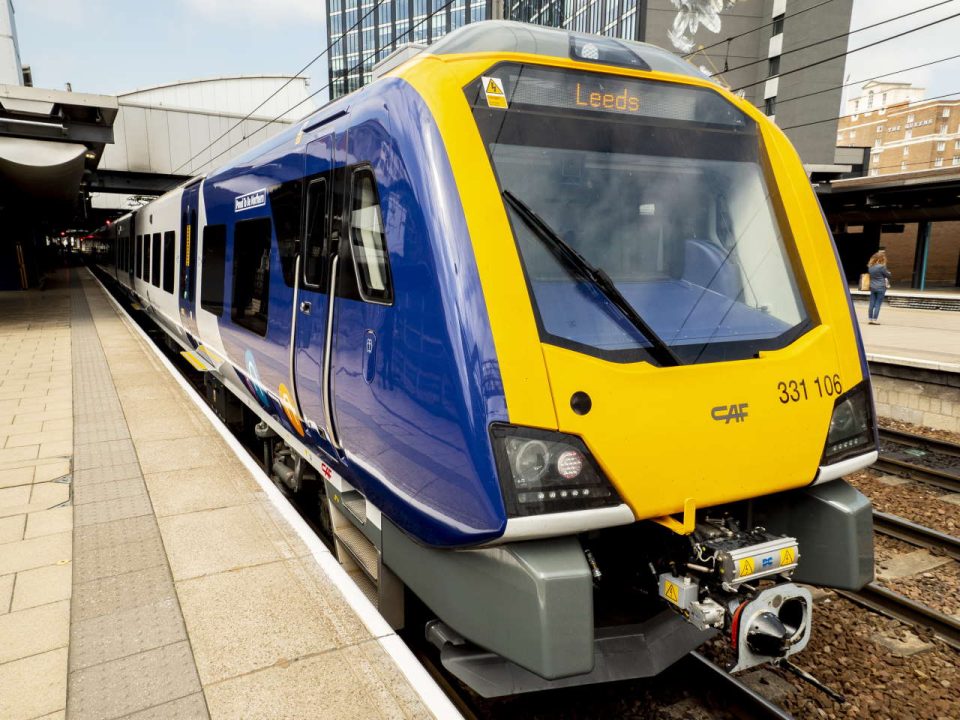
pixel 906 50
pixel 112 46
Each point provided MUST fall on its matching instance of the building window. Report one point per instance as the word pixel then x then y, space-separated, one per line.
pixel 879 128
pixel 773 66
pixel 883 99
pixel 367 237
pixel 157 258
pixel 169 243
pixel 878 142
pixel 906 151
pixel 946 112
pixel 853 134
pixel 770 106
pixel 870 100
pixel 214 260
pixel 955 160
pixel 251 274
pixel 941 146
pixel 908 134
pixel 777 25
pixel 943 129
pixel 910 117
pixel 874 172
pixel 903 166
pixel 938 162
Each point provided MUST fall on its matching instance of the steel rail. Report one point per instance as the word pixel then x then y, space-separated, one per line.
pixel 749 699
pixel 921 441
pixel 922 473
pixel 892 604
pixel 902 529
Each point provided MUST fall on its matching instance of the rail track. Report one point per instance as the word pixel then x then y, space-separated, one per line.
pixel 892 604
pixel 892 460
pixel 910 532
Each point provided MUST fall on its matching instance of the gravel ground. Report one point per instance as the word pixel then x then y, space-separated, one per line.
pixel 877 684
pixel 920 430
pixel 939 588
pixel 913 501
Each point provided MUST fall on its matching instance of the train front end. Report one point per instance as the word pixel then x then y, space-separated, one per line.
pixel 681 367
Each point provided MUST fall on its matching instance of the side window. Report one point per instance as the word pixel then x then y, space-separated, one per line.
pixel 157 257
pixel 316 233
pixel 214 259
pixel 146 258
pixel 368 241
pixel 251 274
pixel 285 202
pixel 169 240
pixel 138 261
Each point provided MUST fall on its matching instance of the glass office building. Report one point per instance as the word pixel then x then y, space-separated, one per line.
pixel 364 32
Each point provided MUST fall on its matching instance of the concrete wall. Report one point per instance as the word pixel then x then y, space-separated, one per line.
pixel 815 143
pixel 741 18
pixel 935 406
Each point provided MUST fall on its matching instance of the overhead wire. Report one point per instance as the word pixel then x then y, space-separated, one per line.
pixel 849 51
pixel 840 117
pixel 865 80
pixel 272 95
pixel 268 123
pixel 756 29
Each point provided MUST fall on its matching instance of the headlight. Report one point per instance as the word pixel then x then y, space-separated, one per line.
pixel 546 472
pixel 851 427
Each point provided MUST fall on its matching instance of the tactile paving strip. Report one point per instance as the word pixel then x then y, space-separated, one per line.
pixel 128 644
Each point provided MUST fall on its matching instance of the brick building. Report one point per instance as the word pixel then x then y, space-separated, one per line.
pixel 904 132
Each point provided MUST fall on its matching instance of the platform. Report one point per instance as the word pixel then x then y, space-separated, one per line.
pixel 928 339
pixel 148 569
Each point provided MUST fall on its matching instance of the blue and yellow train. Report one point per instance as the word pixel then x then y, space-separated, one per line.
pixel 555 325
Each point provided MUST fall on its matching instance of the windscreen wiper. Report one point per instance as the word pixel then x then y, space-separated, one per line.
pixel 566 254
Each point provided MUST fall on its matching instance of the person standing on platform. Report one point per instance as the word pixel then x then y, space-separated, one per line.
pixel 879 282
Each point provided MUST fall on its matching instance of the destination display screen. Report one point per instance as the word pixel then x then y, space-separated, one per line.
pixel 508 85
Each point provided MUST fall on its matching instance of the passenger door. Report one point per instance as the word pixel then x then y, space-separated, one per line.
pixel 187 292
pixel 312 315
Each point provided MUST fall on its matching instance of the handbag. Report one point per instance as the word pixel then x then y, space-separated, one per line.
pixel 865 281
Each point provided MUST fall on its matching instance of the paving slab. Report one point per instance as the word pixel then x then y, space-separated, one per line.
pixel 952 498
pixel 907 564
pixel 41 586
pixel 892 480
pixel 902 643
pixel 34 686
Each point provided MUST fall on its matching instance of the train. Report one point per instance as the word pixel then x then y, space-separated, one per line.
pixel 554 330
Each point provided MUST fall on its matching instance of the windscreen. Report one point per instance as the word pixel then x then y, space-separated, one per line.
pixel 658 185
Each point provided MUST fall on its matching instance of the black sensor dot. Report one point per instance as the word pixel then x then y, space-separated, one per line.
pixel 580 403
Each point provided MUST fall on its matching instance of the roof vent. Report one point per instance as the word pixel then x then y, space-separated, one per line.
pixel 397 58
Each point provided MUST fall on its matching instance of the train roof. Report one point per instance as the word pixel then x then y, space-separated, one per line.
pixel 516 37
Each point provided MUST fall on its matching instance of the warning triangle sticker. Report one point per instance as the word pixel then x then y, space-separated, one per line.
pixel 493 88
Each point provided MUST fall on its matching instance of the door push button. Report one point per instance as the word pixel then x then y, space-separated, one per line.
pixel 305 307
pixel 369 355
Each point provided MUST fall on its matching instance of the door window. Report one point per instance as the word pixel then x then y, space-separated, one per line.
pixel 251 274
pixel 316 230
pixel 214 259
pixel 368 240
pixel 138 261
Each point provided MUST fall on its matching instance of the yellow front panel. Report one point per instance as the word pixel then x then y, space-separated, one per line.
pixel 654 430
